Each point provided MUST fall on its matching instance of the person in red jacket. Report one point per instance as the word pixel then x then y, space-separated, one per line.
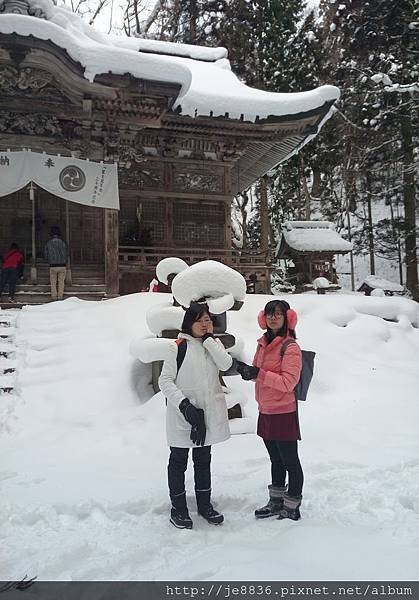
pixel 276 377
pixel 10 270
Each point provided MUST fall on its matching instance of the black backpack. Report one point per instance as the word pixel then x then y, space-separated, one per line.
pixel 307 369
pixel 181 352
pixel 180 356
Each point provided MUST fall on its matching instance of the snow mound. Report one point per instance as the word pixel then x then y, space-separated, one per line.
pixel 164 316
pixel 378 292
pixel 152 349
pixel 220 305
pixel 211 280
pixel 320 282
pixel 169 266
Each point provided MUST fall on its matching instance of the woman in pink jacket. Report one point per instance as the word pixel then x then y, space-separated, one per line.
pixel 276 374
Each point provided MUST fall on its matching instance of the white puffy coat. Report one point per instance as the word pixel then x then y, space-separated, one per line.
pixel 198 381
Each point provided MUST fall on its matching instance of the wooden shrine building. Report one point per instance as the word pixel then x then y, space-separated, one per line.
pixel 309 249
pixel 185 134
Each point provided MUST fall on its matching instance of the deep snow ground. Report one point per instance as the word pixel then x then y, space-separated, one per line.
pixel 83 461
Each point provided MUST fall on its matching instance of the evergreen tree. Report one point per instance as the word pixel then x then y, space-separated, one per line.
pixel 373 43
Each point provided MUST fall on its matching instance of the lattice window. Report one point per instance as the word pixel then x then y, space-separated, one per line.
pixel 201 224
pixel 154 216
pixel 142 222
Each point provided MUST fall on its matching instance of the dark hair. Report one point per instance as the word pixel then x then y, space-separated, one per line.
pixel 192 314
pixel 14 246
pixel 270 310
pixel 55 230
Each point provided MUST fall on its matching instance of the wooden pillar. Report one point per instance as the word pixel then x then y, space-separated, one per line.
pixel 111 252
pixel 169 222
pixel 68 278
pixel 264 215
pixel 34 275
pixel 227 225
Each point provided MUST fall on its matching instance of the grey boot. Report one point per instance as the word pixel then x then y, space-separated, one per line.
pixel 275 503
pixel 290 508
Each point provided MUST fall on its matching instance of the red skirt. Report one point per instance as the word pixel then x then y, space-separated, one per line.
pixel 284 428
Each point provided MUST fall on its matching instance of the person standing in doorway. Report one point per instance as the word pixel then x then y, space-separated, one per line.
pixel 56 254
pixel 12 261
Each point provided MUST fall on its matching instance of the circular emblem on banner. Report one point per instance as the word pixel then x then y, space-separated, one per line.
pixel 72 179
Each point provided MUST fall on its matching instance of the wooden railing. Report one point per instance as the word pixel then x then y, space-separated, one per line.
pixel 140 257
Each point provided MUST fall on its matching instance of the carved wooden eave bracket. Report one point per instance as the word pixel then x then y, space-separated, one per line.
pixel 251 148
pixel 114 98
pixel 30 60
pixel 21 7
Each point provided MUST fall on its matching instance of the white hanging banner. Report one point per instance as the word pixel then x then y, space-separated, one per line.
pixel 76 180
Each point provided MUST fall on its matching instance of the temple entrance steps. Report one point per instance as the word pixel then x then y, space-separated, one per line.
pixel 87 283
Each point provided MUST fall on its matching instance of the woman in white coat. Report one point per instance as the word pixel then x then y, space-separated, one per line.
pixel 196 412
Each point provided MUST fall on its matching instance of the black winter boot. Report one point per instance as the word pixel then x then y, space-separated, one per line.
pixel 291 508
pixel 212 516
pixel 275 503
pixel 180 519
pixel 206 509
pixel 179 516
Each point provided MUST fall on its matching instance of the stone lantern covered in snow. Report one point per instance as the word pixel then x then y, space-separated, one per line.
pixel 219 286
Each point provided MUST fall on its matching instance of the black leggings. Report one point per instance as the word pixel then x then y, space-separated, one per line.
pixel 178 462
pixel 284 459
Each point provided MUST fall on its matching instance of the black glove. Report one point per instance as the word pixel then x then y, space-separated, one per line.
pixel 195 417
pixel 247 372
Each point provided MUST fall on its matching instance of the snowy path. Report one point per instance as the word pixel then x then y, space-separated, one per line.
pixel 130 540
pixel 83 469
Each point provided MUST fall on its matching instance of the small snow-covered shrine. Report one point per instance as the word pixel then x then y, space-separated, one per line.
pixel 309 249
pixel 183 134
pixel 373 285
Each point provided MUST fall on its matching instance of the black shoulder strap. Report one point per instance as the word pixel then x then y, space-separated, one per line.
pixel 181 352
pixel 285 346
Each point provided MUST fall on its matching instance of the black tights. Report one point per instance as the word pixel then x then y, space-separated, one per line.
pixel 284 459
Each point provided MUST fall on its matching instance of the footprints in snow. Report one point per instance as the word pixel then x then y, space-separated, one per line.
pixel 7 352
pixel 8 362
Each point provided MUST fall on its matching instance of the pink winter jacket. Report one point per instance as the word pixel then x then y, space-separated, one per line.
pixel 277 378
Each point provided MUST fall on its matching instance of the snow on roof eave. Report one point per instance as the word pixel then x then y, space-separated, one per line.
pixel 158 47
pixel 242 182
pixel 225 96
pixel 64 17
pixel 284 250
pixel 375 282
pixel 207 88
pixel 308 225
pixel 311 136
pixel 312 241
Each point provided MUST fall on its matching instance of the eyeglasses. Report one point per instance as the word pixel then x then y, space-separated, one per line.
pixel 276 315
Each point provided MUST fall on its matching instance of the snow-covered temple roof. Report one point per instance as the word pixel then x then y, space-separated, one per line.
pixel 379 283
pixel 208 87
pixel 311 236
